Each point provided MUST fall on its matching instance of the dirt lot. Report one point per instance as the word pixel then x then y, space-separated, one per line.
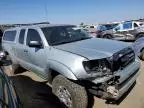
pixel 35 93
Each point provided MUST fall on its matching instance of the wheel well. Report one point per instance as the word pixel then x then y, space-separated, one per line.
pixel 139 33
pixel 141 49
pixel 53 74
pixel 107 34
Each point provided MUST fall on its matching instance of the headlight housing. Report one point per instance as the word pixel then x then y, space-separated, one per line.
pixel 97 66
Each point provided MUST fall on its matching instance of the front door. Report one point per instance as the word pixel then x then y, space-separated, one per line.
pixel 36 55
pixel 119 33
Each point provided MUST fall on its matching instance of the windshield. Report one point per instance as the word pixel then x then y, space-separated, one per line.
pixel 101 28
pixel 110 26
pixel 64 34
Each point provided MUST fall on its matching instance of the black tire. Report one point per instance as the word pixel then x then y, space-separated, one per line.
pixel 107 36
pixel 9 67
pixel 139 35
pixel 78 94
pixel 142 55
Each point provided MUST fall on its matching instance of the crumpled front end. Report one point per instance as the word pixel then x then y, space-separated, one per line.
pixel 125 70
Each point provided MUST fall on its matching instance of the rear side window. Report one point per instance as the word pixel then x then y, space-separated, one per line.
pixel 21 36
pixel 9 35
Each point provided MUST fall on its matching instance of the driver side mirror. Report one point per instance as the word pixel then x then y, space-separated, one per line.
pixel 35 44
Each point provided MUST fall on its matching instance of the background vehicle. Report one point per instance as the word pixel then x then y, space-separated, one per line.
pixel 73 62
pixel 129 30
pixel 103 27
pixel 8 95
pixel 139 47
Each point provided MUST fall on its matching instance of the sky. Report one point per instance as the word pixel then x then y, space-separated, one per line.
pixel 69 11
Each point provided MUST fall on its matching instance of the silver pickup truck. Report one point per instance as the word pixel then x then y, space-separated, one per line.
pixel 74 63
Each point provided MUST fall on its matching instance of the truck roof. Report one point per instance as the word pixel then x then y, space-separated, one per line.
pixel 39 25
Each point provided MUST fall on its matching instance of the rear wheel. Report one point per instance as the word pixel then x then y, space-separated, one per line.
pixel 69 93
pixel 107 36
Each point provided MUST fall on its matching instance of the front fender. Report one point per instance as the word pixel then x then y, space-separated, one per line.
pixel 62 69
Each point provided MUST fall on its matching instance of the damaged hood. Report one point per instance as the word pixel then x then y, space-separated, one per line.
pixel 93 48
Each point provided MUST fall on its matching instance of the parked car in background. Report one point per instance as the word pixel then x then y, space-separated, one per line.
pixel 8 95
pixel 74 63
pixel 139 47
pixel 103 27
pixel 129 30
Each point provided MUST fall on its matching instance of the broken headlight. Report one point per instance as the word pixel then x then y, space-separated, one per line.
pixel 95 66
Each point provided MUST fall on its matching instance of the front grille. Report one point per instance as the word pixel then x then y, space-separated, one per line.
pixel 123 58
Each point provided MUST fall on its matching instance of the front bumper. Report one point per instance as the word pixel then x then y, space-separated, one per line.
pixel 127 78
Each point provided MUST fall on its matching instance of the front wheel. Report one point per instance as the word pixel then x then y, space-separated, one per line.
pixel 69 93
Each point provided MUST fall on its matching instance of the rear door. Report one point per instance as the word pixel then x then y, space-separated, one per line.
pixel 134 31
pixel 20 47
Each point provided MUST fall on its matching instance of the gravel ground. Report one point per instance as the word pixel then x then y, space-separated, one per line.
pixel 35 93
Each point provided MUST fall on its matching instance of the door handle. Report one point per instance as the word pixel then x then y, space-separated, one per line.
pixel 25 50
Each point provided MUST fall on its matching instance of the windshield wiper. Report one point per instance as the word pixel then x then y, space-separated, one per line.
pixel 64 42
pixel 83 38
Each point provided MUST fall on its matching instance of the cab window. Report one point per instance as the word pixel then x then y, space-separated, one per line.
pixel 33 35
